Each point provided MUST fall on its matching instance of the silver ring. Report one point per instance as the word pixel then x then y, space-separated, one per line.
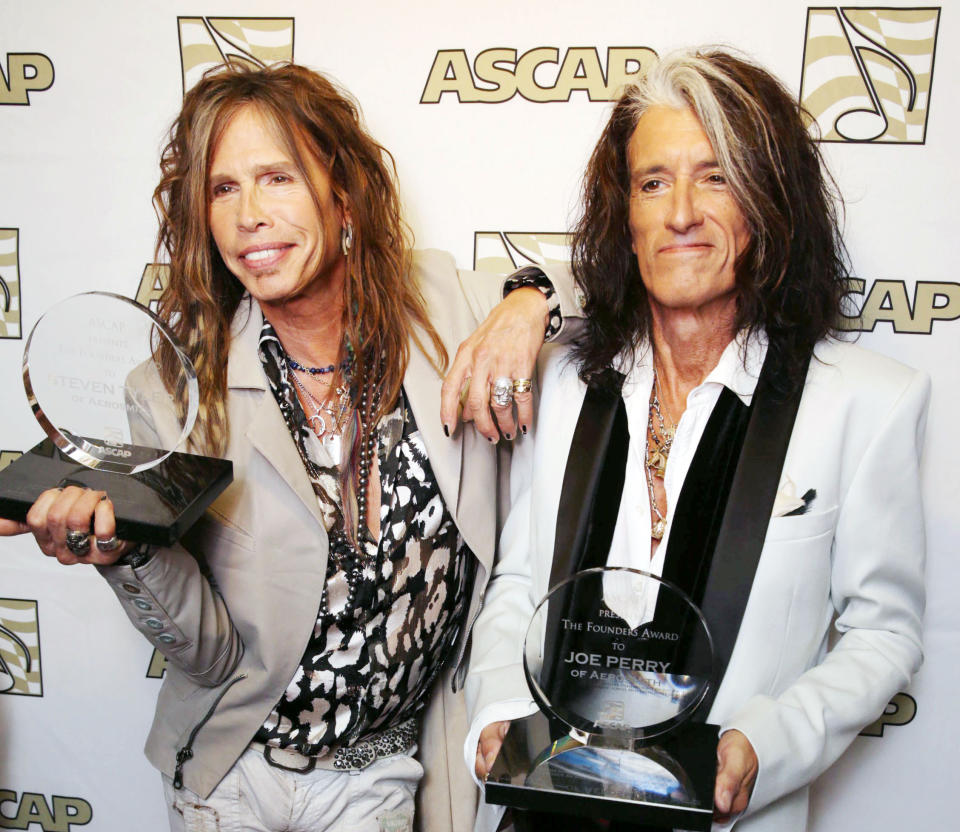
pixel 107 544
pixel 522 385
pixel 502 393
pixel 78 542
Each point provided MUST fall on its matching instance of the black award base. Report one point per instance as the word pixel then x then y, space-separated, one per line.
pixel 665 786
pixel 155 506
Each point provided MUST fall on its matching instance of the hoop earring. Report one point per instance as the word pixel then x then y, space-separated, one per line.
pixel 346 238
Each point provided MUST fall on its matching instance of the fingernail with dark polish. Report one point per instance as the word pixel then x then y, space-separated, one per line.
pixel 523 429
pixel 508 436
pixel 492 439
pixel 446 430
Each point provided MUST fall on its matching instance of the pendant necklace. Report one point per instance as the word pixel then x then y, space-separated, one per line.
pixel 657 453
pixel 329 415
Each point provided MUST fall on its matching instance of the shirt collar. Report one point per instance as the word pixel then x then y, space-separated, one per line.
pixel 738 368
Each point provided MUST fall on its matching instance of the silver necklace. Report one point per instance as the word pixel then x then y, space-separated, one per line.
pixel 328 415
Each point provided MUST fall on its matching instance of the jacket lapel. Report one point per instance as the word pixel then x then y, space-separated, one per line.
pixel 592 481
pixel 266 431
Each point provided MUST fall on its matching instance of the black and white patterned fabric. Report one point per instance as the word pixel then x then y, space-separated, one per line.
pixel 370 667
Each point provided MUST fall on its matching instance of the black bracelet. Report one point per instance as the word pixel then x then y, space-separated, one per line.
pixel 534 278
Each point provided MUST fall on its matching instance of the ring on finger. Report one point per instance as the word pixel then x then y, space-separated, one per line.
pixel 502 391
pixel 78 541
pixel 107 544
pixel 522 385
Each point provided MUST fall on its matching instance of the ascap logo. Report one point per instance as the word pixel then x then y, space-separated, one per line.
pixel 152 283
pixel 889 301
pixel 899 711
pixel 6 457
pixel 538 75
pixel 867 72
pixel 26 72
pixel 158 665
pixel 20 648
pixel 9 284
pixel 59 815
pixel 502 252
pixel 208 41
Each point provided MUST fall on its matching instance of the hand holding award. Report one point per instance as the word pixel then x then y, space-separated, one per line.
pixel 109 469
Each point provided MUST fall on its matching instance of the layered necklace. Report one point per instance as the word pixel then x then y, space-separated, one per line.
pixel 329 418
pixel 329 414
pixel 660 435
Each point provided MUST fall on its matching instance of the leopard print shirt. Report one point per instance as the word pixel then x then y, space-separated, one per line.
pixel 370 667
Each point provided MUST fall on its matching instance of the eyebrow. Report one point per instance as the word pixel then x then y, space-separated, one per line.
pixel 286 166
pixel 652 170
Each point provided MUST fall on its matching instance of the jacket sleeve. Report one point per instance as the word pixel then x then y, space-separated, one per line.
pixel 496 660
pixel 878 595
pixel 170 599
pixel 176 607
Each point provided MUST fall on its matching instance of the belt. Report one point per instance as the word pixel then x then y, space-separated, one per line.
pixel 396 740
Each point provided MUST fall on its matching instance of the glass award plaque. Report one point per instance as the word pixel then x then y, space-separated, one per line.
pixel 618 661
pixel 92 382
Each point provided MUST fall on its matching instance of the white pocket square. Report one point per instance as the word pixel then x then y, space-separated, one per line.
pixel 787 502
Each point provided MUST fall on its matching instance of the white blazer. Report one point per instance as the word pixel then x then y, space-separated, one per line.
pixel 854 562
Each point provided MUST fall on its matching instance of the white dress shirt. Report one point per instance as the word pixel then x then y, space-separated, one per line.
pixel 738 369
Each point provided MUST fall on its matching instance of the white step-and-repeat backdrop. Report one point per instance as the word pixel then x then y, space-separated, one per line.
pixel 491 110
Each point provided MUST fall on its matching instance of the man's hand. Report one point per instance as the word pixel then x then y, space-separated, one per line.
pixel 505 345
pixel 491 738
pixel 58 511
pixel 737 771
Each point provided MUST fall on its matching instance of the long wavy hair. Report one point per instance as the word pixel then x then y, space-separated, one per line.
pixel 792 276
pixel 310 114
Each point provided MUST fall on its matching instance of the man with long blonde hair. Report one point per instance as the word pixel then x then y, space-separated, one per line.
pixel 309 616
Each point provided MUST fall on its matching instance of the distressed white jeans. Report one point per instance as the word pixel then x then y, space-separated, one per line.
pixel 256 797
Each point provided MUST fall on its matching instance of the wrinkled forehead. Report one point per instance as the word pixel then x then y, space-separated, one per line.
pixel 291 136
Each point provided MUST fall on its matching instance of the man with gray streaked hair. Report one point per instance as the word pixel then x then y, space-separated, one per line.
pixel 713 270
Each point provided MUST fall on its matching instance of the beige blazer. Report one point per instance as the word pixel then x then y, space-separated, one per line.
pixel 233 605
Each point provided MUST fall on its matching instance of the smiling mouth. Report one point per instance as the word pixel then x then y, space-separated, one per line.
pixel 263 254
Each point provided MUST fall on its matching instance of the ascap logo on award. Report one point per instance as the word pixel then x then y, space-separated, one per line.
pixel 20 671
pixel 9 283
pixel 539 75
pixel 868 72
pixel 26 72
